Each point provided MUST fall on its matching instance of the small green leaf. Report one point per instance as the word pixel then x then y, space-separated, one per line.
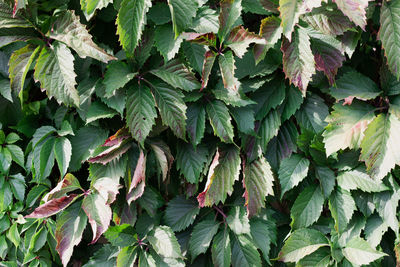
pixel 244 253
pixel 201 237
pixel 292 171
pixel 182 14
pixel 342 207
pixel 220 120
pixel 127 256
pixel 221 249
pixel 180 213
pixel 117 75
pixel 62 152
pixel 166 42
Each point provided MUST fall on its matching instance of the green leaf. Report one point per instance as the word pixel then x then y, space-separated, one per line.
pixel 45 158
pixel 201 237
pixel 180 213
pixel 38 240
pixel 69 230
pixel 99 214
pixel 6 193
pixel 268 97
pixel 89 7
pixel 127 256
pixel 298 61
pixel 68 29
pixel 164 242
pixel 10 20
pixel 355 10
pixel 220 120
pixel 292 171
pixel 227 68
pixel 117 75
pixel 269 128
pixel 358 179
pixel 120 235
pixel 182 14
pixel 195 122
pixel 378 148
pixel 264 234
pixel 342 207
pixel 244 117
pixel 206 20
pixel 239 40
pixel 5 89
pixel 346 126
pixel 177 75
pixel 166 42
pixel 17 183
pixel 326 178
pixel 98 110
pixel 354 85
pixel 62 152
pixel 359 252
pixel 172 108
pixel 130 23
pixel 258 181
pixel 238 221
pixel 229 13
pixel 163 156
pixel 151 201
pixel 221 250
pixel 319 258
pixel 140 112
pixel 307 207
pixel 244 253
pixel 290 11
pixel 55 71
pixel 301 243
pixel 386 204
pixel 19 65
pixel 271 31
pixel 312 114
pixel 13 234
pixel 224 171
pixel 208 63
pixel 374 230
pixel 190 161
pixel 17 154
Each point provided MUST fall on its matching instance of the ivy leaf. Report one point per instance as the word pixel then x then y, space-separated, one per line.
pixel 164 242
pixel 172 108
pixel 224 171
pixel 140 112
pixel 244 253
pixel 307 207
pixel 165 41
pixel 239 40
pixel 117 75
pixel 177 75
pixel 358 179
pixel 355 85
pixel 209 58
pixel 201 237
pixel 257 181
pixel 346 126
pixel 290 11
pixel 190 161
pixel 90 6
pixel 221 249
pixel 195 122
pixel 298 61
pixel 182 14
pixel 98 212
pixel 180 213
pixel 53 206
pixel 378 148
pixel 342 207
pixel 292 171
pixel 388 34
pixel 62 152
pixel 301 243
pixel 68 29
pixel 220 120
pixel 229 12
pixel 20 63
pixel 354 10
pixel 131 20
pixel 359 252
pixel 227 67
pixel 55 71
pixel 138 182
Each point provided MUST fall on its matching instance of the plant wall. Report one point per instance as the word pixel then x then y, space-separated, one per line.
pixel 199 133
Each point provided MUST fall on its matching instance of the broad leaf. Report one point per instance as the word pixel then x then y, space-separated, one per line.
pixel 62 152
pixel 130 23
pixel 166 42
pixel 220 120
pixel 140 112
pixel 257 181
pixel 229 13
pixel 244 253
pixel 301 243
pixel 221 250
pixel 271 31
pixel 68 29
pixel 238 221
pixel 290 11
pixel 354 10
pixel 89 7
pixel 195 122
pixel 264 234
pixel 292 171
pixel 8 19
pixel 359 252
pixel 224 171
pixel 181 213
pixel 342 207
pixel 53 206
pixel 117 75
pixel 386 204
pixel 163 156
pixel 68 184
pixel 107 188
pixel 227 68
pixel 374 230
pixel 127 256
pixel 239 39
pixel 182 13
pixel 313 113
pixel 378 148
pixel 358 179
pixel 164 242
pixel 201 237
pixel 307 208
pixel 190 161
pixel 55 71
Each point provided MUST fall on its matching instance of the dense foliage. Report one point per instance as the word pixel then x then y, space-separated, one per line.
pixel 199 133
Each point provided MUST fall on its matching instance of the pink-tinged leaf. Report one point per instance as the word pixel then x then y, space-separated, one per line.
pixel 271 31
pixel 239 40
pixel 112 152
pixel 53 206
pixel 227 67
pixel 209 59
pixel 117 138
pixel 224 171
pixel 69 230
pixel 98 212
pixel 68 184
pixel 354 10
pixel 107 188
pixel 209 39
pixel 348 100
pixel 270 5
pixel 18 4
pixel 136 188
pixel 327 59
pixel 229 12
pixel 257 182
pixel 298 60
pixel 163 156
